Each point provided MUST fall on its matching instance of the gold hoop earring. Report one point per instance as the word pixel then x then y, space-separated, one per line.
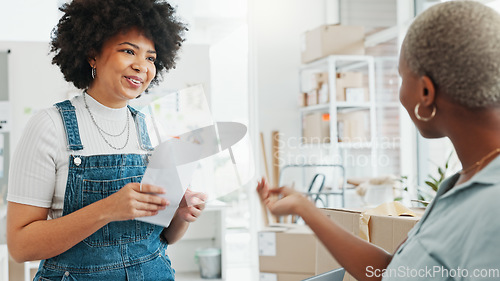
pixel 425 119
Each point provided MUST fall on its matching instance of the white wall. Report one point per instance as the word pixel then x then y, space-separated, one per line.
pixel 276 28
pixel 28 20
pixel 192 68
pixel 34 83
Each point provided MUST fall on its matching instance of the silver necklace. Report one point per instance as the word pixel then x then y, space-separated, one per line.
pixel 102 132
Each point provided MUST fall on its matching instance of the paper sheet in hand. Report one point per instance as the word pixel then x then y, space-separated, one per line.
pixel 173 162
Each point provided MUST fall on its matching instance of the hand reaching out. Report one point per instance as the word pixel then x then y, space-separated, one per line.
pixel 281 201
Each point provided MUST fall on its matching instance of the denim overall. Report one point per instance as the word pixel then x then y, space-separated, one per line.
pixel 121 250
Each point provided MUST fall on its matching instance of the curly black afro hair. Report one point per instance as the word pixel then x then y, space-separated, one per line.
pixel 87 24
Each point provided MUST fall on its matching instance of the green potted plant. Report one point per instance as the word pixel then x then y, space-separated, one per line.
pixel 426 193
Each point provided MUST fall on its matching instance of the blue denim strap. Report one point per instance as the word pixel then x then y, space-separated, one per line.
pixel 68 116
pixel 142 130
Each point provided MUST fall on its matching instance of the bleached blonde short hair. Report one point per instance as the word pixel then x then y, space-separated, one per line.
pixel 457 44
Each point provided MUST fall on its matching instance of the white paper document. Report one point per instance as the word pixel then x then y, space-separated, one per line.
pixel 173 162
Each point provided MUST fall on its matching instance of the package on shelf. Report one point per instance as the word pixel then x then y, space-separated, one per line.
pixel 333 39
pixel 316 127
pixel 349 87
pixel 302 100
pixel 323 94
pixel 353 126
pixel 356 95
pixel 312 97
pixel 321 83
pixel 347 80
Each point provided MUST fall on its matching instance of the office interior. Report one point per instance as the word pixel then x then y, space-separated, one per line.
pixel 349 147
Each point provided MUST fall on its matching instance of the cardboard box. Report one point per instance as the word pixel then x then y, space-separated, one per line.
pixel 316 128
pixel 347 84
pixel 347 80
pixel 349 220
pixel 356 95
pixel 302 100
pixel 387 232
pixel 334 39
pixel 312 97
pixel 322 85
pixel 353 126
pixel 287 249
pixel 279 276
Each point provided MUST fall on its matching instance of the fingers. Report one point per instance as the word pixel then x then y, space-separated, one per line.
pixel 147 188
pixel 142 213
pixel 262 189
pixel 151 199
pixel 140 201
pixel 196 199
pixel 192 213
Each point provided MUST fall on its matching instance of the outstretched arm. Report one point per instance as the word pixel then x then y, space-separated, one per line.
pixel 353 253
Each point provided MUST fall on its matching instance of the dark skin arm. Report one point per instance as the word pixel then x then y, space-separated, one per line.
pixel 353 253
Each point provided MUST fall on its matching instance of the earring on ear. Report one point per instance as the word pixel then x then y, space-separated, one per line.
pixel 93 72
pixel 425 119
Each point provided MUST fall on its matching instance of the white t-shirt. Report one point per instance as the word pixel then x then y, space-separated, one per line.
pixel 39 168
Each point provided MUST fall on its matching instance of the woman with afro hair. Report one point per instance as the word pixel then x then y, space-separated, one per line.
pixel 74 189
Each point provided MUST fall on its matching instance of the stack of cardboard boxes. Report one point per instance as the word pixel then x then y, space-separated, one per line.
pixel 293 252
pixel 352 125
pixel 332 39
pixel 321 42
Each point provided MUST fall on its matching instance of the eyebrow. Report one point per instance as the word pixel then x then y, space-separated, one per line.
pixel 136 47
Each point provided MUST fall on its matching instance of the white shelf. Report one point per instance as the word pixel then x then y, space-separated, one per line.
pixel 317 107
pixel 344 63
pixel 345 104
pixel 341 105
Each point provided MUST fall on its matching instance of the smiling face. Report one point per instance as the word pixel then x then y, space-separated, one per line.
pixel 124 68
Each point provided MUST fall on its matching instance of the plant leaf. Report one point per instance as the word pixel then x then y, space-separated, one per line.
pixel 431 184
pixel 433 179
pixel 440 171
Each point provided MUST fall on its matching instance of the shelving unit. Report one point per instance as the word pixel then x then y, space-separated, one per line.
pixel 333 65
